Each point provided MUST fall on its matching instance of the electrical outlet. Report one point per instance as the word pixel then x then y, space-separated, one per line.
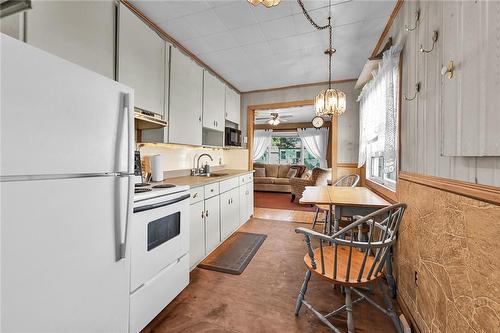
pixel 416 278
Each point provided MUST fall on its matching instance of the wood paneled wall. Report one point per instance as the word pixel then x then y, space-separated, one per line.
pixel 421 119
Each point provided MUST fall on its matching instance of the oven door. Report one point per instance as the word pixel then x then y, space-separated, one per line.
pixel 159 235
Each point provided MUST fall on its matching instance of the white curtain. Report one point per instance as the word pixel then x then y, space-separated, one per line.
pixel 316 142
pixel 261 141
pixel 378 113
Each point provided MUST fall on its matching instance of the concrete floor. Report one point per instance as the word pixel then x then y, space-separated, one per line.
pixel 262 299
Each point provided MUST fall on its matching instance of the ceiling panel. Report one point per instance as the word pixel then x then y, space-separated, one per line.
pixel 254 47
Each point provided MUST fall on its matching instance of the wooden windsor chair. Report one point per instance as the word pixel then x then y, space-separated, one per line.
pixel 345 181
pixel 342 263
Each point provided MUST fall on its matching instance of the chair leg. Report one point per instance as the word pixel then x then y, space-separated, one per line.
pixel 315 218
pixel 293 198
pixel 302 292
pixel 390 307
pixel 326 222
pixel 348 305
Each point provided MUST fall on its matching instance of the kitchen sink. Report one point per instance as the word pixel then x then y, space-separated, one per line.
pixel 210 175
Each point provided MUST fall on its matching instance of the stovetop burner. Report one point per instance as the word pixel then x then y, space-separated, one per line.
pixel 141 184
pixel 141 190
pixel 164 186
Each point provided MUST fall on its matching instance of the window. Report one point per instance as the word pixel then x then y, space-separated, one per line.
pixel 287 148
pixel 378 122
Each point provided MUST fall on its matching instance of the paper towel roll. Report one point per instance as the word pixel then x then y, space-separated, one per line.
pixel 156 168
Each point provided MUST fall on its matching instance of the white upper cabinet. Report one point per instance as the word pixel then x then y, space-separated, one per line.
pixel 471 39
pixel 82 32
pixel 232 105
pixel 141 61
pixel 214 96
pixel 186 92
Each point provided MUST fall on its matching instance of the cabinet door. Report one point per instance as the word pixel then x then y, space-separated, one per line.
pixel 250 199
pixel 141 61
pixel 243 203
pixel 230 215
pixel 197 233
pixel 82 32
pixel 186 89
pixel 235 208
pixel 232 105
pixel 214 96
pixel 212 223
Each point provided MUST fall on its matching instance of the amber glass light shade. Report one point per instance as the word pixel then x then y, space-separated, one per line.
pixel 330 102
pixel 267 3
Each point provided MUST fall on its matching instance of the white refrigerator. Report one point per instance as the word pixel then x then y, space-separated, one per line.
pixel 66 137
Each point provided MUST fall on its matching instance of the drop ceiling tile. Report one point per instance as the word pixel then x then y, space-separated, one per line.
pixel 236 14
pixel 349 12
pixel 279 28
pixel 381 9
pixel 179 29
pixel 285 44
pixel 217 3
pixel 263 14
pixel 248 35
pixel 205 23
pixel 160 11
pixel 197 45
pixel 313 39
pixel 220 41
pixel 302 25
pixel 257 50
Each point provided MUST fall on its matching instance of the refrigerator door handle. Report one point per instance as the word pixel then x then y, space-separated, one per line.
pixel 123 236
pixel 130 133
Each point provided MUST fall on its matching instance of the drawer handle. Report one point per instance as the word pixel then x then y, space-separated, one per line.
pixel 206 213
pixel 195 195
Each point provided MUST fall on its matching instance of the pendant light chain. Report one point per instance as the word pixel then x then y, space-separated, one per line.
pixel 329 102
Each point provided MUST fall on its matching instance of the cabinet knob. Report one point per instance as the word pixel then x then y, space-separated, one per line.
pixel 195 195
pixel 202 214
pixel 199 118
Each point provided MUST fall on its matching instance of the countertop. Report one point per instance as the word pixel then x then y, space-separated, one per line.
pixel 195 181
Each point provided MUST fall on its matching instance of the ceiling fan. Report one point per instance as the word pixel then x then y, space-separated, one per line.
pixel 274 118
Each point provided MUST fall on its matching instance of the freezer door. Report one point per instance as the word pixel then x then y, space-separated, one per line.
pixel 60 266
pixel 59 118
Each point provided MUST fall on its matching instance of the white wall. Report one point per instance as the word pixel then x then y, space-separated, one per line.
pixel 348 123
pixel 179 157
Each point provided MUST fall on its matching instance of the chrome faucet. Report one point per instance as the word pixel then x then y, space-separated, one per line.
pixel 201 171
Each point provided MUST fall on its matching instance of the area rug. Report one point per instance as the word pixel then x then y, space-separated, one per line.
pixel 234 254
pixel 279 201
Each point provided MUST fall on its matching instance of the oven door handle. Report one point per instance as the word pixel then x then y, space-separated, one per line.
pixel 161 204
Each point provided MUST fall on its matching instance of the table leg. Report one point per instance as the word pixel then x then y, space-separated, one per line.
pixel 338 214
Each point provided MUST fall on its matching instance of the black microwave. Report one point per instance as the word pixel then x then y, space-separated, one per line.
pixel 233 137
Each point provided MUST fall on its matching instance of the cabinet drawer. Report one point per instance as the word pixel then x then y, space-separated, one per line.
pixel 154 296
pixel 249 177
pixel 229 184
pixel 197 194
pixel 211 190
pixel 245 179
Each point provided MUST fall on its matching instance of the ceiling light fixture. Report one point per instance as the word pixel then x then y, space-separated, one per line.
pixel 274 121
pixel 331 101
pixel 267 3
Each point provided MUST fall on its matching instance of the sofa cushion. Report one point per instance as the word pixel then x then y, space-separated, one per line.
pixel 291 173
pixel 300 170
pixel 260 172
pixel 283 170
pixel 282 181
pixel 272 170
pixel 263 180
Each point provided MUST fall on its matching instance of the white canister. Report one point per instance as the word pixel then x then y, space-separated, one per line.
pixel 156 168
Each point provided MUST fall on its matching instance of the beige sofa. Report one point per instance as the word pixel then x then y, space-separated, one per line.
pixel 275 179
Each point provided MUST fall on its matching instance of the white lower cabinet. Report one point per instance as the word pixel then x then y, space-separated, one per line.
pixel 197 233
pixel 214 216
pixel 212 224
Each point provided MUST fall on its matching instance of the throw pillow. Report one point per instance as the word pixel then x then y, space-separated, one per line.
pixel 260 172
pixel 291 173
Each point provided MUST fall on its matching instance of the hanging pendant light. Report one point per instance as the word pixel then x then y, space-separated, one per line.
pixel 329 102
pixel 267 3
